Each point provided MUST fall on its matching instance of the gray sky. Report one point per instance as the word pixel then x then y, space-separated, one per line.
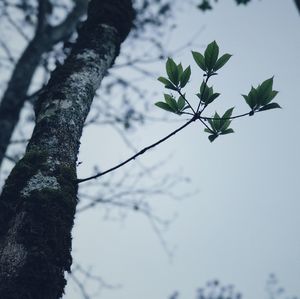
pixel 243 223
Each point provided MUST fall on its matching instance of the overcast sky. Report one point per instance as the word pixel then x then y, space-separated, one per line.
pixel 243 221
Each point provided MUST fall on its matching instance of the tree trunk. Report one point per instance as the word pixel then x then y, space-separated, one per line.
pixel 38 201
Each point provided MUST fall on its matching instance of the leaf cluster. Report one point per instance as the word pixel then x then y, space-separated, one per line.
pixel 219 125
pixel 210 61
pixel 177 77
pixel 170 104
pixel 260 98
pixel 206 94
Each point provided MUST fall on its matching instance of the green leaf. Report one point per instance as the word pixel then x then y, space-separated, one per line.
pixel 225 121
pixel 225 124
pixel 247 100
pixel 212 98
pixel 211 55
pixel 172 71
pixel 185 76
pixel 180 69
pixel 228 131
pixel 264 90
pixel 210 121
pixel 168 83
pixel 221 61
pixel 164 80
pixel 203 84
pixel 217 121
pixel 267 85
pixel 251 98
pixel 171 86
pixel 180 103
pixel 212 137
pixel 199 58
pixel 205 94
pixel 228 113
pixel 164 106
pixel 269 106
pixel 171 102
pixel 270 98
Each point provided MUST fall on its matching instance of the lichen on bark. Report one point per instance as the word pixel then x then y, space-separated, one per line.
pixel 38 202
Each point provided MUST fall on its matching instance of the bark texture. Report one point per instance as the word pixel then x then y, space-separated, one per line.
pixel 45 38
pixel 297 2
pixel 38 202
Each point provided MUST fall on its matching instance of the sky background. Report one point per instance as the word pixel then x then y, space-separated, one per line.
pixel 241 222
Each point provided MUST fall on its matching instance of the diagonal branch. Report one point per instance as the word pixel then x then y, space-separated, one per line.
pixel 45 38
pixel 139 153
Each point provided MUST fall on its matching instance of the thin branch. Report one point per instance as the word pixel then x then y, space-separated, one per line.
pixel 202 93
pixel 85 275
pixel 18 28
pixel 187 101
pixel 195 117
pixel 18 141
pixel 160 237
pixel 11 159
pixel 204 124
pixel 44 6
pixel 225 118
pixel 68 26
pixel 80 286
pixel 139 153
pixel 7 52
pixel 187 113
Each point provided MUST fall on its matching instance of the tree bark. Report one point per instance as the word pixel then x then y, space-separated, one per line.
pixel 45 38
pixel 38 202
pixel 297 2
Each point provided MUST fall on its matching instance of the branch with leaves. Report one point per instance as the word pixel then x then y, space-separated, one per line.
pixel 258 99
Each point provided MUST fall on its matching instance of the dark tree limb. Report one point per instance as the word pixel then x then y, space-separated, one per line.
pixel 45 38
pixel 297 2
pixel 39 198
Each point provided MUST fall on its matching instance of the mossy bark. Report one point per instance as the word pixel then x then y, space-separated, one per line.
pixel 38 202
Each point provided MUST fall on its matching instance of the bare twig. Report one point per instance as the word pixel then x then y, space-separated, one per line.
pixel 139 153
